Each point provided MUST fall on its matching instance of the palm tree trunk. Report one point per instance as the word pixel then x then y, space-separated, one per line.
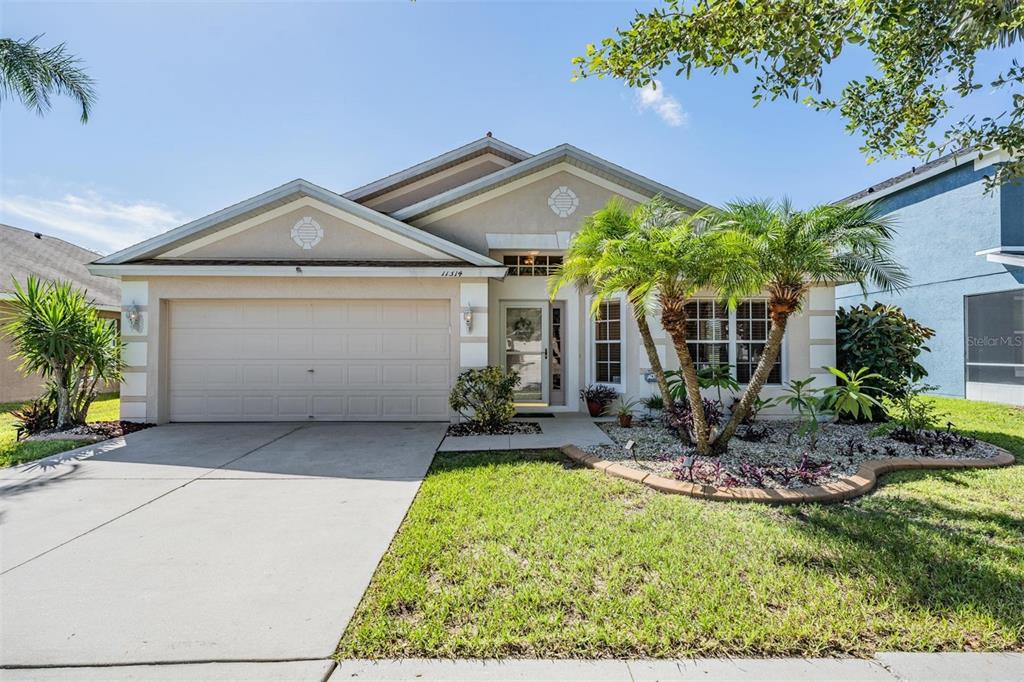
pixel 652 357
pixel 772 348
pixel 673 319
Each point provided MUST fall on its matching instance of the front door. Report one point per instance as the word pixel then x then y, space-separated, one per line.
pixel 526 328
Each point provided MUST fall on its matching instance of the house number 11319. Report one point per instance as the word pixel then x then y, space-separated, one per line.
pixel 451 273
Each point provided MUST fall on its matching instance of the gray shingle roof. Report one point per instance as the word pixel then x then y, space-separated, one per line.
pixel 22 253
pixel 914 171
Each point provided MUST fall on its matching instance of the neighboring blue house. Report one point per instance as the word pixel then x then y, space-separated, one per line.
pixel 964 249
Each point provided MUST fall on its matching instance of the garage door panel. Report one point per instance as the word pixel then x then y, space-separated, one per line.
pixel 251 360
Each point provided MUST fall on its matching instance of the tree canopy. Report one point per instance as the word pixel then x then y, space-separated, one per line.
pixel 924 53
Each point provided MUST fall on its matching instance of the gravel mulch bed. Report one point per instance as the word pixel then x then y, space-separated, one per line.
pixel 95 431
pixel 781 459
pixel 471 429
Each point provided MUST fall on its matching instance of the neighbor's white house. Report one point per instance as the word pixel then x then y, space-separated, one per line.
pixel 302 303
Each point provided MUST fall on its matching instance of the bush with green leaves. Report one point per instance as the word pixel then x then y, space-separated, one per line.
pixel 913 412
pixel 486 397
pixel 57 333
pixel 809 405
pixel 886 341
pixel 851 398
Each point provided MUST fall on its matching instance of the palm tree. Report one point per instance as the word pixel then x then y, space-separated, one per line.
pixel 665 260
pixel 797 250
pixel 34 75
pixel 579 267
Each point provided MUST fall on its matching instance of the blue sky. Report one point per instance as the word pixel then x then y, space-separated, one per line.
pixel 204 104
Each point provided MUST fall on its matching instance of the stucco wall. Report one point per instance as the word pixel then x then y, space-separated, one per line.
pixel 522 210
pixel 144 391
pixel 942 222
pixel 272 239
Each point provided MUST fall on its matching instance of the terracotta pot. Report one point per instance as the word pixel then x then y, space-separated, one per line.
pixel 595 408
pixel 625 420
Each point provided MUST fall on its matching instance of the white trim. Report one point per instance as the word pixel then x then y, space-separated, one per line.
pixel 1006 259
pixel 290 271
pixel 589 354
pixel 733 342
pixel 555 155
pixel 561 167
pixel 430 164
pixel 470 163
pixel 271 198
pixel 306 202
pixel 999 249
pixel 952 162
pixel 991 157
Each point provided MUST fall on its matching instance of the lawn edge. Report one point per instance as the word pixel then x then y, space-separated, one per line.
pixel 846 488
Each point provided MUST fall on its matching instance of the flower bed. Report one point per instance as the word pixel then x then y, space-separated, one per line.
pixel 93 431
pixel 473 429
pixel 782 458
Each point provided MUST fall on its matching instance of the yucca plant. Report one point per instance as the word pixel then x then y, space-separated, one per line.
pixel 57 333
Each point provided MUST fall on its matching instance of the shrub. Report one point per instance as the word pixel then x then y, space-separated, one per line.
pixel 33 417
pixel 58 334
pixel 849 398
pixel 886 341
pixel 915 414
pixel 679 416
pixel 485 397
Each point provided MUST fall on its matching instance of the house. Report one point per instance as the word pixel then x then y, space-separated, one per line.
pixel 24 253
pixel 302 303
pixel 964 249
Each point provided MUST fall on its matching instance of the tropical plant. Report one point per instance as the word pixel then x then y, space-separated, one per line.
pixel 717 376
pixel 809 405
pixel 57 333
pixel 679 416
pixel 33 417
pixel 33 75
pixel 663 263
pixel 485 397
pixel 598 395
pixel 625 411
pixel 654 403
pixel 579 267
pixel 797 250
pixel 923 57
pixel 886 341
pixel 913 412
pixel 850 396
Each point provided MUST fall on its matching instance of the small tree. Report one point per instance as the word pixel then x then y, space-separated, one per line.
pixel 486 397
pixel 57 333
pixel 886 341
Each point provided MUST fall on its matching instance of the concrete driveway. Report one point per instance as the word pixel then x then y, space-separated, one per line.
pixel 201 542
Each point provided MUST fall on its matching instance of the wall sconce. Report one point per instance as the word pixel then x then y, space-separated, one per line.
pixel 134 317
pixel 467 317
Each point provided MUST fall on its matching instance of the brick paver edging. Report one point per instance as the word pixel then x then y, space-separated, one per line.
pixel 837 491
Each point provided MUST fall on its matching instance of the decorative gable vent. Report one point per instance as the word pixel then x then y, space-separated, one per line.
pixel 307 233
pixel 564 202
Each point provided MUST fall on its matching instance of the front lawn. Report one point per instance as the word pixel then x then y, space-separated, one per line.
pixel 104 408
pixel 519 554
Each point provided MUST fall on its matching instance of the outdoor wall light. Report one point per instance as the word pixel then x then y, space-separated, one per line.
pixel 134 317
pixel 467 317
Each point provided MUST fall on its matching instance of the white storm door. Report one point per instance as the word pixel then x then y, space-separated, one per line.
pixel 525 329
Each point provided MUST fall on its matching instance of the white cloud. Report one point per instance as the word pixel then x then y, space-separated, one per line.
pixel 89 219
pixel 653 96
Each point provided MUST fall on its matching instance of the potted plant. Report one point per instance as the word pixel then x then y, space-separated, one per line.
pixel 625 412
pixel 597 398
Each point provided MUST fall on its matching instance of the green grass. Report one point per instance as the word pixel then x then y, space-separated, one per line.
pixel 519 554
pixel 104 408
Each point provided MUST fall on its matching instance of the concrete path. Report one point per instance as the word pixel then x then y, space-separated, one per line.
pixel 562 429
pixel 883 668
pixel 201 542
pixel 892 667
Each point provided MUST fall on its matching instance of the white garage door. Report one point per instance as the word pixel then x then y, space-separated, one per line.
pixel 329 360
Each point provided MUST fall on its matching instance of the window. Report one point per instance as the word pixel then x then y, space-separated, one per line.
pixel 608 343
pixel 995 337
pixel 532 265
pixel 718 336
pixel 707 333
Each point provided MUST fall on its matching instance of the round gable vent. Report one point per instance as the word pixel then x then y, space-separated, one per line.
pixel 307 233
pixel 564 202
